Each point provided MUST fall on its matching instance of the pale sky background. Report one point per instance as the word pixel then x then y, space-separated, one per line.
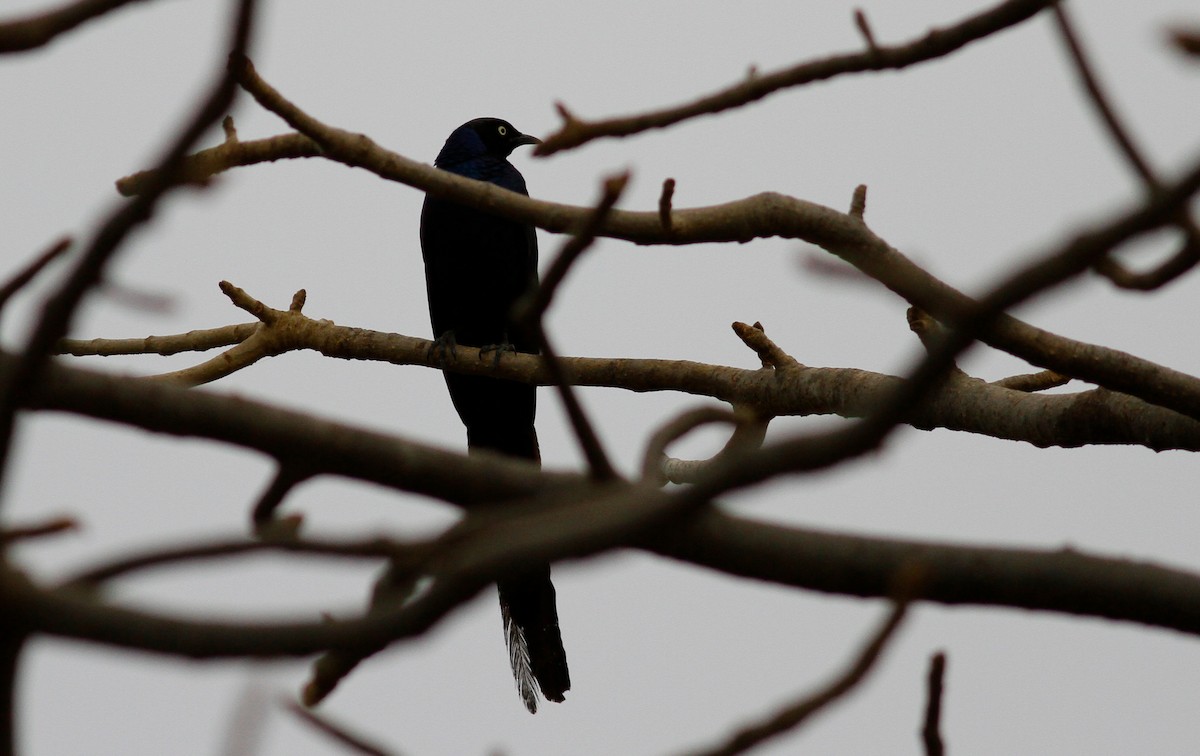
pixel 974 162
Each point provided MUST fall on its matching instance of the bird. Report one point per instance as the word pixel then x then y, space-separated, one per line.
pixel 476 267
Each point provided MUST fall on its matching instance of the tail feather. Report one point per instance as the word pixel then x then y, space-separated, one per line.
pixel 535 649
pixel 518 657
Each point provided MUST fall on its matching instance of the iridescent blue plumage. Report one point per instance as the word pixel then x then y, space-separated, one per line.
pixel 476 266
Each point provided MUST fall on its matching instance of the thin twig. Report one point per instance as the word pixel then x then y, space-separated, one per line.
pixel 30 271
pixel 53 526
pixel 685 423
pixel 1189 255
pixel 769 353
pixel 168 556
pixel 339 733
pixel 930 46
pixel 794 714
pixel 529 313
pixel 193 341
pixel 664 203
pixel 202 166
pixel 286 478
pixel 864 28
pixel 931 734
pixel 538 300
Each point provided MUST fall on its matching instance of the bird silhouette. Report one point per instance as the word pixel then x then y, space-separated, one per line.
pixel 476 266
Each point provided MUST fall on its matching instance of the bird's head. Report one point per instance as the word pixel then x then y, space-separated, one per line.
pixel 482 137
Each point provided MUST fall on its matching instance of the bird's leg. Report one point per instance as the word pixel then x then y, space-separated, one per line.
pixel 497 349
pixel 443 345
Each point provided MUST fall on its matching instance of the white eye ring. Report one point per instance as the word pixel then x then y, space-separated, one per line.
pixel 503 131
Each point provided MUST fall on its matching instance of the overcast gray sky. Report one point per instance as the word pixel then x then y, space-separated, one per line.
pixel 974 162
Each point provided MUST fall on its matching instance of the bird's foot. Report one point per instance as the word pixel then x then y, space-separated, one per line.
pixel 496 350
pixel 442 346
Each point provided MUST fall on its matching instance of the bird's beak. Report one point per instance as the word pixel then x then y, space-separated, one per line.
pixel 525 139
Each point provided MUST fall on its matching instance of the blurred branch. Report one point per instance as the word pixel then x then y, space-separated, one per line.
pixel 56 315
pixel 931 735
pixel 1185 39
pixel 794 714
pixel 1189 254
pixel 53 526
pixel 530 310
pixel 338 733
pixel 934 44
pixel 1064 581
pixel 34 31
pixel 30 271
pixel 169 556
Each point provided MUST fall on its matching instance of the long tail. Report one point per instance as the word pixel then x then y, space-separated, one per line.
pixel 527 601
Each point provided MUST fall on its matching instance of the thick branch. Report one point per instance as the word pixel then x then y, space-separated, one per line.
pixel 1064 580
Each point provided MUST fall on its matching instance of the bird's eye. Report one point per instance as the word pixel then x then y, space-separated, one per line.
pixel 503 131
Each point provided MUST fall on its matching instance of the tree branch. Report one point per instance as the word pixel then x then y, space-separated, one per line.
pixel 794 714
pixel 844 235
pixel 56 315
pixel 1063 580
pixel 34 31
pixel 934 44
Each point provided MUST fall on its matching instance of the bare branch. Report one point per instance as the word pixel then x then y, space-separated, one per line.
pixel 530 311
pixel 338 733
pixel 794 714
pixel 30 271
pixel 864 28
pixel 203 165
pixel 769 353
pixel 34 31
pixel 685 423
pixel 664 203
pixel 858 202
pixel 1064 581
pixel 91 577
pixel 1189 254
pixel 1068 420
pixel 53 526
pixel 934 44
pixel 192 341
pixel 1186 40
pixel 931 735
pixel 56 315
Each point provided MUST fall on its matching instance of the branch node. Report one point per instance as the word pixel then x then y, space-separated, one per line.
pixel 298 300
pixel 864 28
pixel 771 355
pixel 858 203
pixel 244 301
pixel 231 135
pixel 664 203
